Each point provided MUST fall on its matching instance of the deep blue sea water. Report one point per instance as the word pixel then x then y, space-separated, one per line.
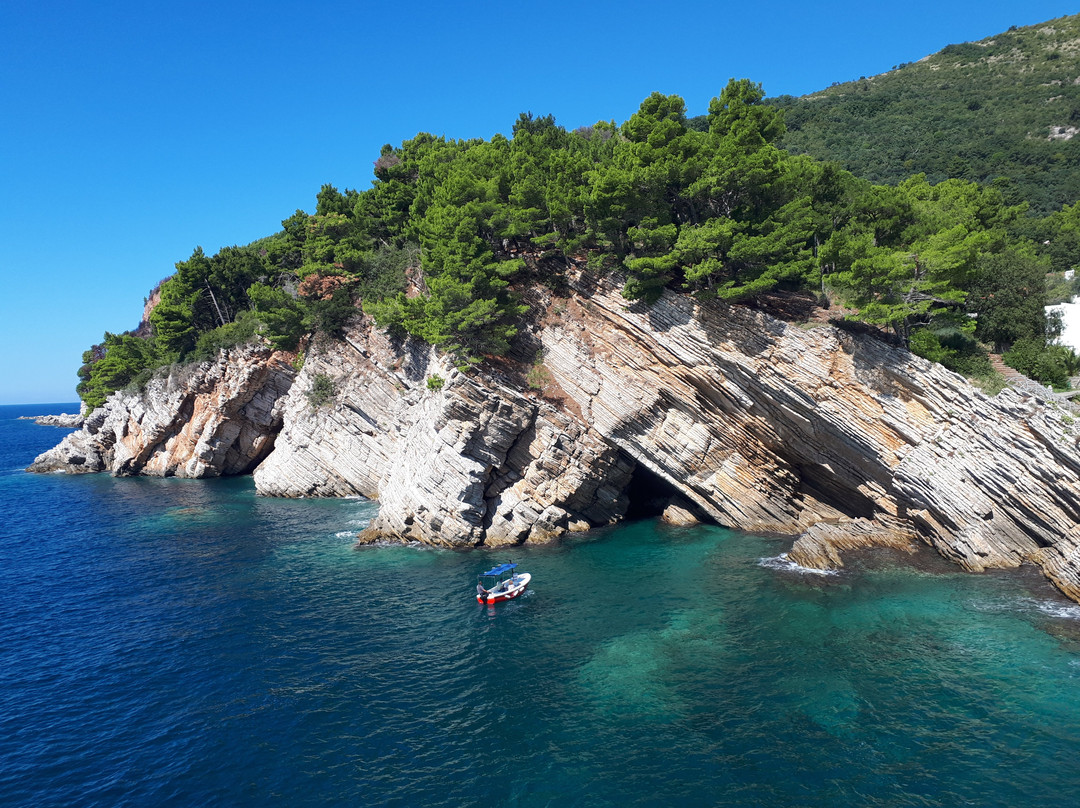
pixel 171 642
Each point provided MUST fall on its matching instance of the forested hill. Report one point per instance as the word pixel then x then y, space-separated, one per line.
pixel 450 236
pixel 1004 109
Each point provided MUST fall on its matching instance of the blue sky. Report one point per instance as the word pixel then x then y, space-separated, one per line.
pixel 132 132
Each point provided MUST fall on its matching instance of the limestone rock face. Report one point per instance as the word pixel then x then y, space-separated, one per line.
pixel 998 487
pixel 205 420
pixel 836 439
pixel 843 439
pixel 476 467
pixel 344 446
pixel 761 425
pixel 706 410
pixel 454 460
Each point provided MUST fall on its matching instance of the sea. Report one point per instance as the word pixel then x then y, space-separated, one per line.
pixel 171 642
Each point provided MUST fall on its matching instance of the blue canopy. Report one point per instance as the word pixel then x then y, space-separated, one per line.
pixel 499 570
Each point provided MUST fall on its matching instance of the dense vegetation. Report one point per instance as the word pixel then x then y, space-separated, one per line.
pixel 448 236
pixel 305 279
pixel 1002 110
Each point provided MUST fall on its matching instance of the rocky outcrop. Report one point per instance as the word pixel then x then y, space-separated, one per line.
pixel 144 329
pixel 679 515
pixel 64 420
pixel 204 420
pixel 821 547
pixel 766 426
pixel 998 487
pixel 695 409
pixel 836 439
pixel 454 460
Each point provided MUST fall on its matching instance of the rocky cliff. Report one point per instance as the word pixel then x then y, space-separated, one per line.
pixel 839 440
pixel 454 459
pixel 205 420
pixel 724 413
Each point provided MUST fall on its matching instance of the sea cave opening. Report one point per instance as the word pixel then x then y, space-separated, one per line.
pixel 648 494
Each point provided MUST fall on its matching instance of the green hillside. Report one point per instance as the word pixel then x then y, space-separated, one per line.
pixel 452 234
pixel 1004 109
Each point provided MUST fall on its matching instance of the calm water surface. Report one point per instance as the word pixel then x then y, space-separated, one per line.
pixel 171 642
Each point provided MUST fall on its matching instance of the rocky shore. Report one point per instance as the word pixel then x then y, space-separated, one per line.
pixel 204 420
pixel 64 420
pixel 701 410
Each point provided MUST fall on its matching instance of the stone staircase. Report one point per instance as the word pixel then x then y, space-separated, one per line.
pixel 1015 378
pixel 1012 376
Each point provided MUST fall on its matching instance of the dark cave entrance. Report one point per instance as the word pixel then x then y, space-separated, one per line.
pixel 648 494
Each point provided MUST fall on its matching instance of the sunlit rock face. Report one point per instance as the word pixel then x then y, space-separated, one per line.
pixel 204 420
pixel 454 459
pixel 839 440
pixel 693 410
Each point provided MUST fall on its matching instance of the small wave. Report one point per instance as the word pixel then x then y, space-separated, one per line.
pixel 782 562
pixel 416 545
pixel 345 534
pixel 1053 608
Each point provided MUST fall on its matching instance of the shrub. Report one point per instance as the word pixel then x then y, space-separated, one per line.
pixel 330 315
pixel 322 390
pixel 435 382
pixel 1047 364
pixel 954 349
pixel 138 382
pixel 538 376
pixel 384 271
pixel 240 332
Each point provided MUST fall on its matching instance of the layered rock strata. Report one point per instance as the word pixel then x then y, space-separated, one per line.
pixel 714 412
pixel 767 426
pixel 454 459
pixel 204 420
pixel 838 439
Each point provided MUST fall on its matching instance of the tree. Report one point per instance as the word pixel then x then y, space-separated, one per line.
pixel 896 288
pixel 125 358
pixel 1058 237
pixel 714 208
pixel 739 116
pixel 175 333
pixel 281 316
pixel 1008 298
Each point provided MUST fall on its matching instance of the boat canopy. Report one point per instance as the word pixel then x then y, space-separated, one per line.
pixel 499 570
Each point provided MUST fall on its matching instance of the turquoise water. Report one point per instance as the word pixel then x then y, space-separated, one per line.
pixel 170 642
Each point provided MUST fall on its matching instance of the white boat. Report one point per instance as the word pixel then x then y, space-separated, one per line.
pixel 502 583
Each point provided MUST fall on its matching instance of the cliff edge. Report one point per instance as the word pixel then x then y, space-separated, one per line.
pixel 204 420
pixel 701 409
pixel 836 439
